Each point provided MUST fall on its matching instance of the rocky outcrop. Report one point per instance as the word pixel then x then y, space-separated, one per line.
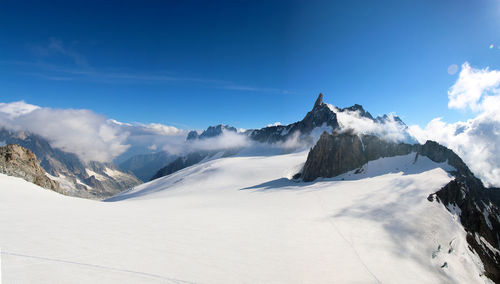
pixel 73 175
pixel 193 134
pixel 20 162
pixel 338 153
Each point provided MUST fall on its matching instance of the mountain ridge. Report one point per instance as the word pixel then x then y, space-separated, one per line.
pixel 88 180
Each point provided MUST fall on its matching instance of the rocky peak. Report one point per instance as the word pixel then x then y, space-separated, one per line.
pixel 358 108
pixel 211 131
pixel 320 115
pixel 193 134
pixel 319 101
pixel 20 162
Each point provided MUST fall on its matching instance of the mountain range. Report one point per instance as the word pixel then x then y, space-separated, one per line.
pixel 282 203
pixel 75 177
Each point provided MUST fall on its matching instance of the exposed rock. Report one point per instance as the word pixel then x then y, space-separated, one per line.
pixel 192 135
pixel 71 173
pixel 440 154
pixel 319 100
pixel 338 153
pixel 20 162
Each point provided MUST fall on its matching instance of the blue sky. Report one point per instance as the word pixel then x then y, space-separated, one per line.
pixel 246 63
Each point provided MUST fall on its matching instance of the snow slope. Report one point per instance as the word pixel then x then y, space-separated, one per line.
pixel 241 220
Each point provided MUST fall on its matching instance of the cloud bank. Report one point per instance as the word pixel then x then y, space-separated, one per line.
pixel 476 140
pixel 92 137
pixel 388 127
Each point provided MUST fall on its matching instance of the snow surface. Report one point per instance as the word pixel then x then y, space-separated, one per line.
pixel 242 220
pixel 96 175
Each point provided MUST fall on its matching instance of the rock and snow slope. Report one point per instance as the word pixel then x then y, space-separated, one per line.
pixel 242 220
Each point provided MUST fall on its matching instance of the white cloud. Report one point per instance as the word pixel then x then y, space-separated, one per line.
pixel 473 87
pixel 226 140
pixel 92 137
pixel 387 128
pixel 277 123
pixel 15 109
pixel 476 140
pixel 161 129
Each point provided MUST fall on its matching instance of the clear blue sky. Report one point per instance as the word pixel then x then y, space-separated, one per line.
pixel 246 63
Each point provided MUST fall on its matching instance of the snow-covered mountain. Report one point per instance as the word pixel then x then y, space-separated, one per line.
pixel 75 177
pixel 364 205
pixel 301 134
pixel 243 219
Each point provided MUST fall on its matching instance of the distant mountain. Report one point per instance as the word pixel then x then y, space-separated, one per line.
pixel 322 117
pixel 196 156
pixel 76 178
pixel 182 162
pixel 210 132
pixel 146 165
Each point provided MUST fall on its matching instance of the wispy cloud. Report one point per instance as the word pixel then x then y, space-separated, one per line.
pixel 56 47
pixel 48 67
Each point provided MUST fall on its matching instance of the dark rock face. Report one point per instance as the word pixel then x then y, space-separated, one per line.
pixel 192 135
pixel 440 154
pixel 338 153
pixel 20 162
pixel 58 163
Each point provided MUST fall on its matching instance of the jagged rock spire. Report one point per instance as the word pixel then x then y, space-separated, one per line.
pixel 319 100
